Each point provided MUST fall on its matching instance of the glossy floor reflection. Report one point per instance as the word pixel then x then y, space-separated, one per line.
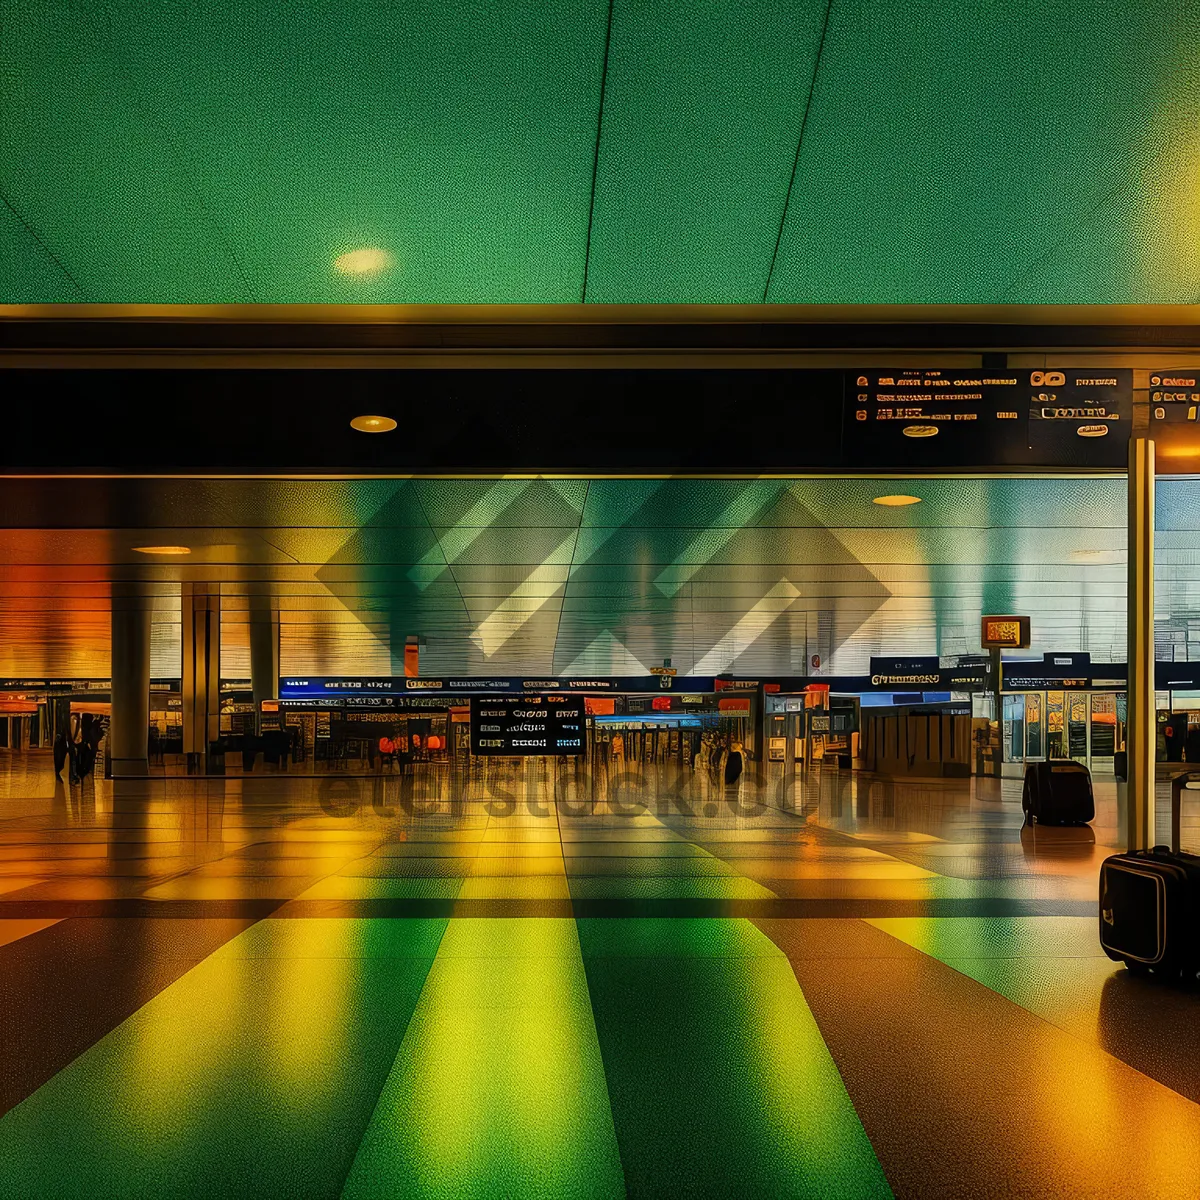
pixel 529 982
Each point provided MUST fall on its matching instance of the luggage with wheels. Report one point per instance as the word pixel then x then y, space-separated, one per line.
pixel 1150 903
pixel 1058 792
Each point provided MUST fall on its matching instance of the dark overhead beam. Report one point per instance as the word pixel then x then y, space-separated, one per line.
pixel 602 329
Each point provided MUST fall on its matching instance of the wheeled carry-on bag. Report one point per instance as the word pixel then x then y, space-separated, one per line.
pixel 1150 903
pixel 1058 792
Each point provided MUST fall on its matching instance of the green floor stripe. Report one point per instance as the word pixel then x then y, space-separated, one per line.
pixel 1052 966
pixel 945 938
pixel 719 1079
pixel 254 1074
pixel 498 1088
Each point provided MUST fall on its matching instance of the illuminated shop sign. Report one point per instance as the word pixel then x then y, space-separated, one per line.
pixel 1004 633
pixel 952 679
pixel 296 686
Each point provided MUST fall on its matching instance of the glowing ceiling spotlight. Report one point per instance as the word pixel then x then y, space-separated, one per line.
pixel 373 424
pixel 369 260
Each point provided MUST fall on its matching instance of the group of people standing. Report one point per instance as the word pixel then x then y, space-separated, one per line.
pixel 79 745
pixel 722 759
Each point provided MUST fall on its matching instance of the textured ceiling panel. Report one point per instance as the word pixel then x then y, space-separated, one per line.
pixel 952 149
pixel 221 151
pixel 90 164
pixel 196 151
pixel 703 105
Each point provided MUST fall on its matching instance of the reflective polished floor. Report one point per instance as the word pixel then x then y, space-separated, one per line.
pixel 528 982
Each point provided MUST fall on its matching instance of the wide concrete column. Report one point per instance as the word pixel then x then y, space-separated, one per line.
pixel 201 618
pixel 129 727
pixel 1139 725
pixel 264 654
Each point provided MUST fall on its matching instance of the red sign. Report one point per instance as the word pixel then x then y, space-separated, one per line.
pixel 734 704
pixel 412 660
pixel 661 704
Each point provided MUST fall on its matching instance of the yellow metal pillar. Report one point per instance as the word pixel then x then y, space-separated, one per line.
pixel 201 614
pixel 1140 727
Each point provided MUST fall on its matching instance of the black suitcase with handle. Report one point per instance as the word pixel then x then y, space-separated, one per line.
pixel 1150 903
pixel 1058 792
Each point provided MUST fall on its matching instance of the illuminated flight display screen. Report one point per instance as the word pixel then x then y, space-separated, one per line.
pixel 1174 399
pixel 994 417
pixel 527 725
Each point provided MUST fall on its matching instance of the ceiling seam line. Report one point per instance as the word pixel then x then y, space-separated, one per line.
pixel 441 549
pixel 587 245
pixel 33 233
pixel 787 199
pixel 1069 235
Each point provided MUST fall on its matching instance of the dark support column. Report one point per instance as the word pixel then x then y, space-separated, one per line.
pixel 264 656
pixel 201 617
pixel 1139 728
pixel 130 725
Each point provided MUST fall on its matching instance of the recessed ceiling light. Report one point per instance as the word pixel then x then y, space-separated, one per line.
pixel 920 431
pixel 896 501
pixel 163 549
pixel 373 424
pixel 366 261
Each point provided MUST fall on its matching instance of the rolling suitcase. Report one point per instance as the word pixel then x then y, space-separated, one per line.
pixel 1150 903
pixel 1058 792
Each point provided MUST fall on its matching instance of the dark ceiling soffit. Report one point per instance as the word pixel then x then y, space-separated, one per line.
pixel 383 330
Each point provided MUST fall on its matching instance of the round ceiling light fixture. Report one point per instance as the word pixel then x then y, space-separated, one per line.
pixel 163 549
pixel 373 424
pixel 369 260
pixel 896 501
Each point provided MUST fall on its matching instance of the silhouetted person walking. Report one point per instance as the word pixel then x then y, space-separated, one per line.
pixel 60 754
pixel 735 764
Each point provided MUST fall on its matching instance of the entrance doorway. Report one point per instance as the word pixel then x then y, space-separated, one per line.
pixel 1087 726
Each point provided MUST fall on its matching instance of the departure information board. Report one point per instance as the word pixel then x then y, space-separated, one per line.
pixel 1175 398
pixel 992 417
pixel 1175 420
pixel 527 725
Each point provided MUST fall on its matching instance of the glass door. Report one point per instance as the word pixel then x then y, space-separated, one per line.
pixel 1103 734
pixel 1035 730
pixel 1013 708
pixel 1078 727
pixel 1055 702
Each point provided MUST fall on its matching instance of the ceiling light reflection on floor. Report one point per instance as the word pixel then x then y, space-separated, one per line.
pixel 896 501
pixel 163 549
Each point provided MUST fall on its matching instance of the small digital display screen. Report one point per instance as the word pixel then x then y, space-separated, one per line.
pixel 515 725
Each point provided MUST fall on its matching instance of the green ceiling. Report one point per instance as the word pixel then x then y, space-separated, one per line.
pixel 809 151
